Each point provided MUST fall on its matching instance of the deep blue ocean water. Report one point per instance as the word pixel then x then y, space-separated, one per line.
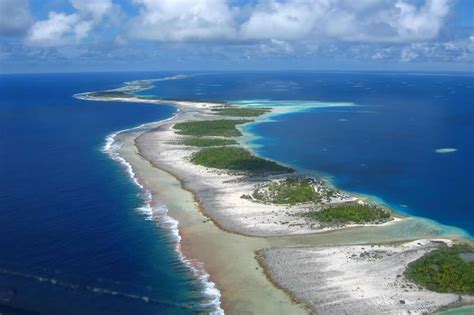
pixel 384 147
pixel 70 230
pixel 70 227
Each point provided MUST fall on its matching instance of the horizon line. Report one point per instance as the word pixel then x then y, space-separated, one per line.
pixel 413 72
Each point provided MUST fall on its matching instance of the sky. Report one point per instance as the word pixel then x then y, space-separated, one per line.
pixel 196 35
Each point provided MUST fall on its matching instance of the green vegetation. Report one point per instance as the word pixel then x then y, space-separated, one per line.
pixel 445 270
pixel 112 94
pixel 236 159
pixel 288 191
pixel 223 127
pixel 203 142
pixel 241 112
pixel 350 213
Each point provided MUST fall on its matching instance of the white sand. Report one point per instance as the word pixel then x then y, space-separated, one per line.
pixel 361 279
pixel 220 193
pixel 134 99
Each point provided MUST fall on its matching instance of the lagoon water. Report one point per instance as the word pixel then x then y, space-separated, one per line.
pixel 408 140
pixel 74 239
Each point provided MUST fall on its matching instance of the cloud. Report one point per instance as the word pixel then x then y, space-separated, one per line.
pixel 458 50
pixel 275 46
pixel 60 28
pixel 250 32
pixel 183 20
pixel 283 20
pixel 15 17
pixel 382 53
pixel 52 32
pixel 290 20
pixel 365 20
pixel 408 54
pixel 92 9
pixel 422 23
pixel 369 21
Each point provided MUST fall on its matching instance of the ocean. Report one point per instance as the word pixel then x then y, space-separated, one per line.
pixel 77 238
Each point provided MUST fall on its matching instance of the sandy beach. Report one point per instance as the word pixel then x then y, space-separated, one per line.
pixel 232 238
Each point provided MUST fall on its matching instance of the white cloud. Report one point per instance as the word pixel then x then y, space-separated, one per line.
pixel 422 23
pixel 398 31
pixel 275 46
pixel 381 53
pixel 319 21
pixel 51 32
pixel 61 28
pixel 459 50
pixel 378 56
pixel 367 20
pixel 92 9
pixel 343 20
pixel 183 20
pixel 408 54
pixel 15 17
pixel 283 20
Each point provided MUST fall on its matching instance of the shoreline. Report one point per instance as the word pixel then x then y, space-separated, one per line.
pixel 396 209
pixel 162 218
pixel 192 223
pixel 341 236
pixel 339 268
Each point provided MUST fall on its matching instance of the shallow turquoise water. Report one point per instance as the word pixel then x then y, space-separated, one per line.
pixel 407 140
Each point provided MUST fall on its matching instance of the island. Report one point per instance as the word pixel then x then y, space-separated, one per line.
pixel 269 239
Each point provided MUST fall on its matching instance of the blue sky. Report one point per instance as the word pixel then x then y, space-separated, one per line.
pixel 154 35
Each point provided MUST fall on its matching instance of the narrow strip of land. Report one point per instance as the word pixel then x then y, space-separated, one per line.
pixel 232 204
